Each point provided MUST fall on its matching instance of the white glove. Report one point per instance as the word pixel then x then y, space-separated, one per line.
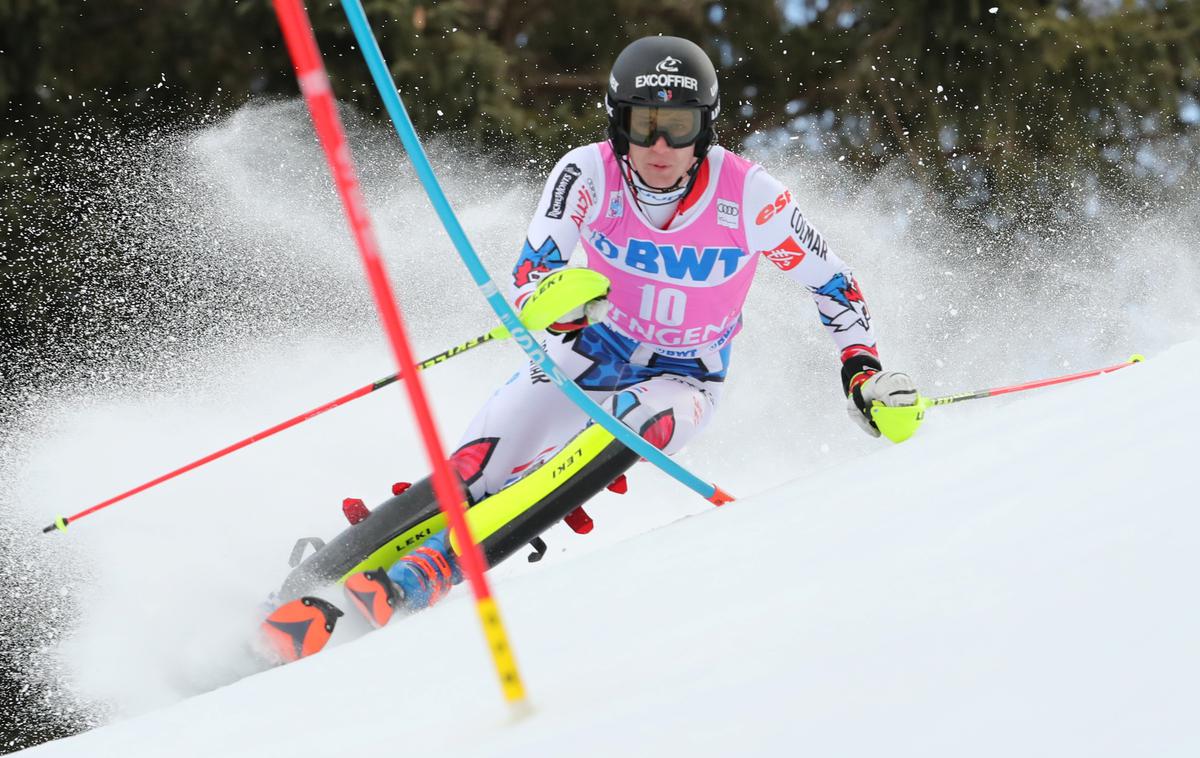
pixel 593 312
pixel 888 387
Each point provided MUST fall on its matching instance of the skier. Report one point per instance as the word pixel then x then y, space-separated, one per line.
pixel 672 227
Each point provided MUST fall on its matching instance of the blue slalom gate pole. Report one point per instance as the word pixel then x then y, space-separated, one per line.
pixel 504 311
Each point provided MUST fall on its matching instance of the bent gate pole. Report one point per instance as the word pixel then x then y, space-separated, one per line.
pixel 504 311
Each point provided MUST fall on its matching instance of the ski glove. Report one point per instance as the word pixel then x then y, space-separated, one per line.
pixel 888 387
pixel 566 300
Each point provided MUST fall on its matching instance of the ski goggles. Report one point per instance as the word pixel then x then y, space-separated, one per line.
pixel 644 124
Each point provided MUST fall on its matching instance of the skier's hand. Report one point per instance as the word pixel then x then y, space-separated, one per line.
pixel 577 318
pixel 566 300
pixel 891 388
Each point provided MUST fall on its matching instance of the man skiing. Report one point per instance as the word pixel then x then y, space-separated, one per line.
pixel 671 228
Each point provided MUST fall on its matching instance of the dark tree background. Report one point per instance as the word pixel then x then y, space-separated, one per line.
pixel 999 111
pixel 999 107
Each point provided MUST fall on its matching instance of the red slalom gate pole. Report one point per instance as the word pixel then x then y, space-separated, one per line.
pixel 314 83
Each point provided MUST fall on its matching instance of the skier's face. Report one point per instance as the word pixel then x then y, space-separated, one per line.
pixel 661 165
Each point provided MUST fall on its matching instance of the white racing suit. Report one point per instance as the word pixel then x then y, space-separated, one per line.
pixel 662 382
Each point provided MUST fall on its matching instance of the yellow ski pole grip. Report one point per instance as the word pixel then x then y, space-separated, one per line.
pixel 560 293
pixel 898 422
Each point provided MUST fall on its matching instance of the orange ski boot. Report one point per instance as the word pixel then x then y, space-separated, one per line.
pixel 300 628
pixel 373 594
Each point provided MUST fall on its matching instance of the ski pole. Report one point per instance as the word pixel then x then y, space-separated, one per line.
pixel 900 422
pixel 977 394
pixel 498 333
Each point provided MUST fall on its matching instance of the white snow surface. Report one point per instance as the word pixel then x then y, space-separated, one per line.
pixel 1017 579
pixel 1015 582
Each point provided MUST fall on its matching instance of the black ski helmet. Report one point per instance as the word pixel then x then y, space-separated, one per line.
pixel 667 72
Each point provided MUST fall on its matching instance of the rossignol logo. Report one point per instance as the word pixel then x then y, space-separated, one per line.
pixel 668 65
pixel 667 80
pixel 562 188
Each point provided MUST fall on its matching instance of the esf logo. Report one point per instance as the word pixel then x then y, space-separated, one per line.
pixel 697 264
pixel 775 206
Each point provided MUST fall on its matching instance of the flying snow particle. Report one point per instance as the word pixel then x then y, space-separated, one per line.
pixel 993 10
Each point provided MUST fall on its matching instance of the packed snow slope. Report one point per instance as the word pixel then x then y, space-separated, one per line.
pixel 1015 580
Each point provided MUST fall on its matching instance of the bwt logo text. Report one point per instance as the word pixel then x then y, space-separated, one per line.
pixel 682 263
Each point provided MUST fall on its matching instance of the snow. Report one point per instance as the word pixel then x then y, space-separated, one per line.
pixel 1021 595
